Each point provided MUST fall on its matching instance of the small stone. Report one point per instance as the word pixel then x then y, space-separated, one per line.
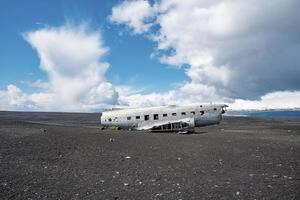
pixel 127 157
pixel 275 176
pixel 178 158
pixel 289 131
pixel 126 184
pixel 237 193
pixel 111 139
pixel 251 175
pixel 43 130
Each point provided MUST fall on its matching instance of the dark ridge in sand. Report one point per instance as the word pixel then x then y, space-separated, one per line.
pixel 67 156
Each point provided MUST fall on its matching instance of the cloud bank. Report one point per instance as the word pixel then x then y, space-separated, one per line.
pixel 238 49
pixel 244 53
pixel 71 57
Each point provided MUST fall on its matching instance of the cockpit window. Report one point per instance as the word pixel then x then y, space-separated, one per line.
pixel 165 115
pixel 183 113
pixel 155 116
pixel 202 112
pixel 174 114
pixel 137 117
pixel 128 118
pixel 215 108
pixel 146 117
pixel 109 119
pixel 193 112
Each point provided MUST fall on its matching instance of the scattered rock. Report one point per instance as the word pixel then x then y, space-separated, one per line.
pixel 126 184
pixel 220 161
pixel 111 139
pixel 237 193
pixel 127 157
pixel 275 176
pixel 178 158
pixel 59 154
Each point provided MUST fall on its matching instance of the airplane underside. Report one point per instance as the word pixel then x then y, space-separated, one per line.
pixel 179 127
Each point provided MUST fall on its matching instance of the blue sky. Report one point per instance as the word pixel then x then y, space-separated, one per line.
pixel 55 54
pixel 129 56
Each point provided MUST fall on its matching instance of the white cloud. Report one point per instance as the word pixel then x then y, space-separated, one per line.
pixel 71 57
pixel 234 49
pixel 273 100
pixel 14 99
pixel 134 14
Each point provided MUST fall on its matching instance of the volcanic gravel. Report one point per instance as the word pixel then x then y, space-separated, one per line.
pixel 68 156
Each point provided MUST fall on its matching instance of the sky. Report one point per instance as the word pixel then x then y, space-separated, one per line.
pixel 87 55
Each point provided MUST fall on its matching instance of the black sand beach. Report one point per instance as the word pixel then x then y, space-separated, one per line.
pixel 67 156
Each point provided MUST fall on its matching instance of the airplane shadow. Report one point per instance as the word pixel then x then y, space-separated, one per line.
pixel 198 132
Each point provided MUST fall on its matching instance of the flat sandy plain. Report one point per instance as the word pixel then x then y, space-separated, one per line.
pixel 67 156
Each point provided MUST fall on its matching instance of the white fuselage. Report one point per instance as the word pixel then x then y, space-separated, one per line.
pixel 145 118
